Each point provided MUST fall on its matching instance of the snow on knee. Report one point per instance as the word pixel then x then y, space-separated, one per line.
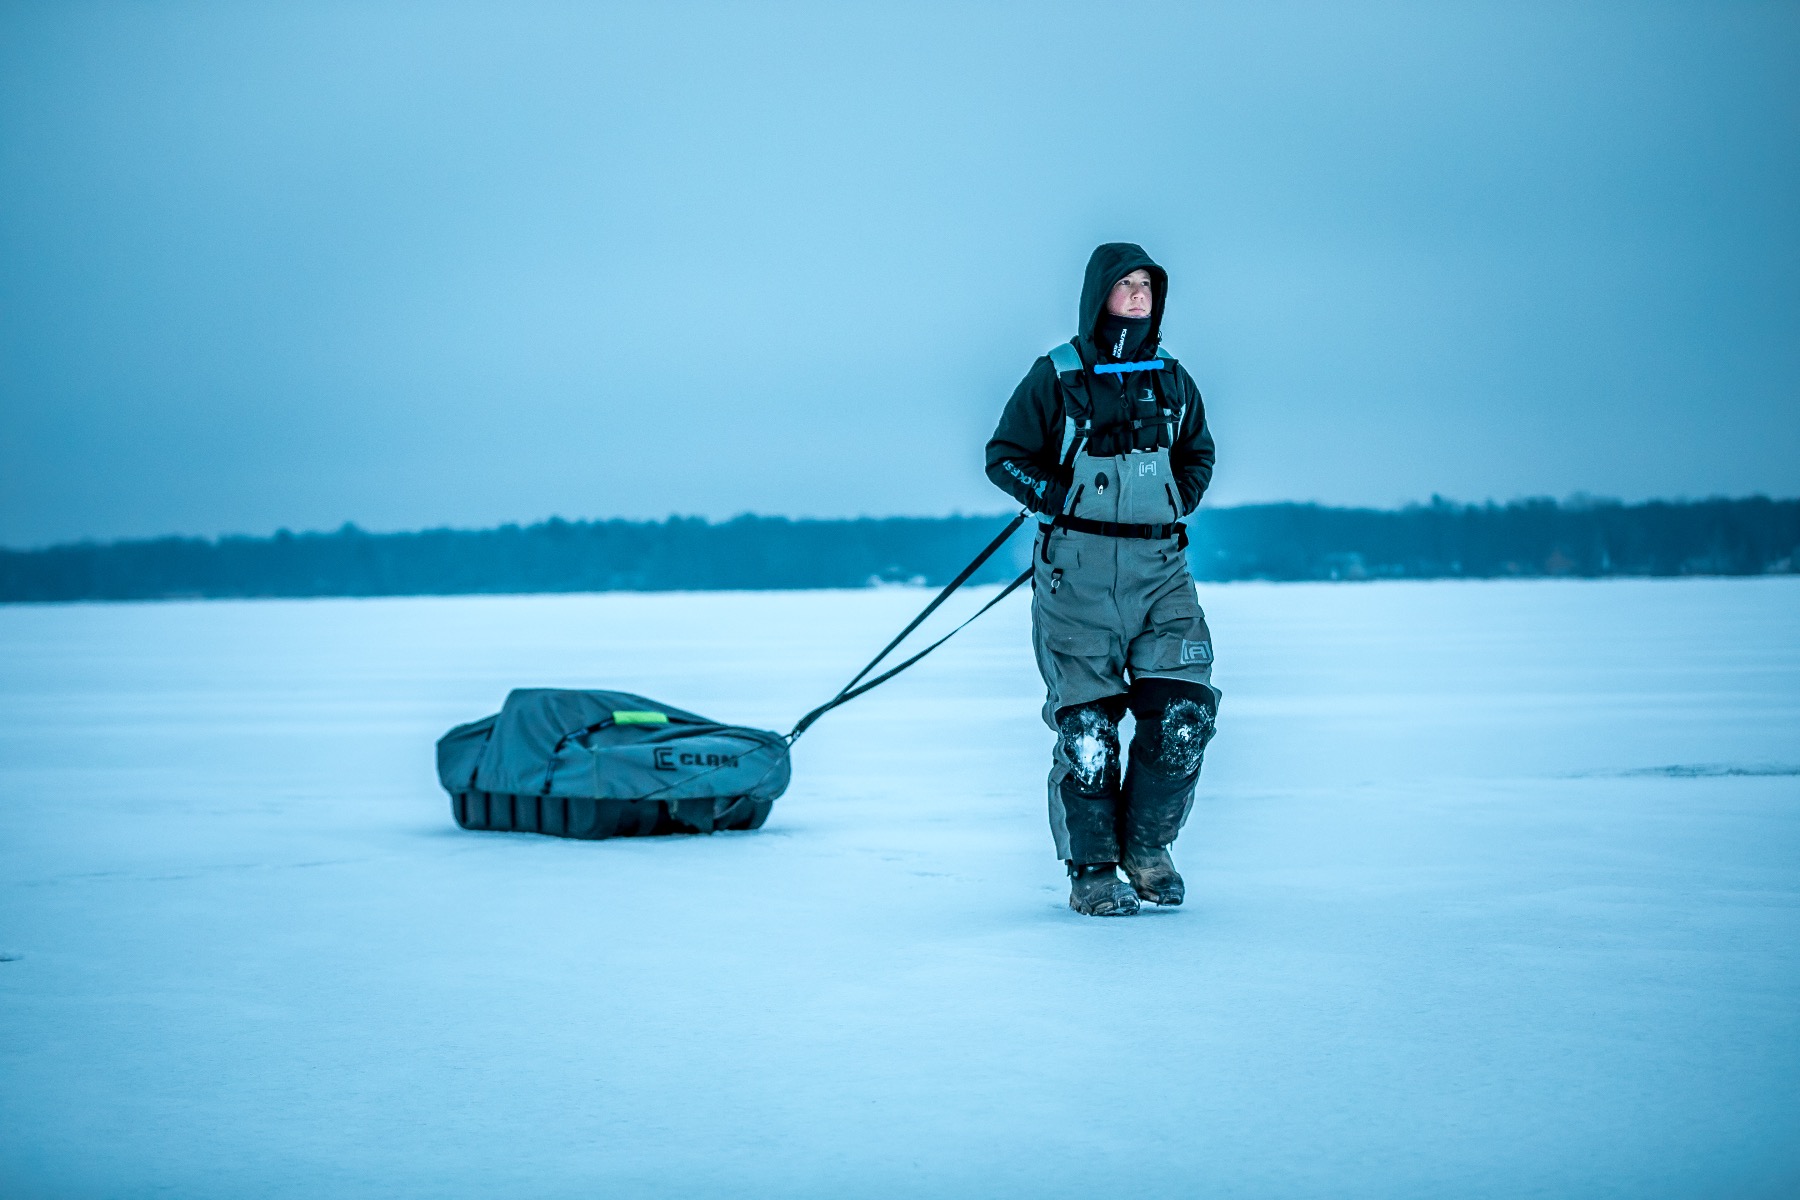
pixel 1185 729
pixel 1089 753
pixel 1089 740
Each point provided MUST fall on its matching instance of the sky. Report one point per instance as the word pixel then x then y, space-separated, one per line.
pixel 413 265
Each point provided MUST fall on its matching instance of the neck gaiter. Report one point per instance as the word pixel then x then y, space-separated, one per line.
pixel 1122 338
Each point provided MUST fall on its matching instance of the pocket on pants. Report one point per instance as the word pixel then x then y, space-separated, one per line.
pixel 1079 665
pixel 1179 608
pixel 1078 643
pixel 1178 640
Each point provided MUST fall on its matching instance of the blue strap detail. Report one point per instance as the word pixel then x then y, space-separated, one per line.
pixel 1154 364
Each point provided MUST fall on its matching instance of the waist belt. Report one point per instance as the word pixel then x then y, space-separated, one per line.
pixel 1119 529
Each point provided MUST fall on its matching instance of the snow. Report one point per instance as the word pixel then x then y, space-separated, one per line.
pixel 1093 747
pixel 1493 890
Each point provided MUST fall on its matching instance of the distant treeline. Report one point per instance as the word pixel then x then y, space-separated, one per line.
pixel 1440 540
pixel 1264 541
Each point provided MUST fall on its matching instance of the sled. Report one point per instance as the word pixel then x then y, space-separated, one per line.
pixel 600 764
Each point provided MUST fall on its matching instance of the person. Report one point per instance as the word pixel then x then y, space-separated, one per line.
pixel 1106 440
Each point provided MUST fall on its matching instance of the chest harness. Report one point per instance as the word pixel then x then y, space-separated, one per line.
pixel 1078 430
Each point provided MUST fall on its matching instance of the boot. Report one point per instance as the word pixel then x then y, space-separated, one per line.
pixel 1096 891
pixel 1155 806
pixel 1166 751
pixel 1153 875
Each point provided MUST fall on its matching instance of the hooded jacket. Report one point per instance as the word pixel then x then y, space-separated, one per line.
pixel 1025 453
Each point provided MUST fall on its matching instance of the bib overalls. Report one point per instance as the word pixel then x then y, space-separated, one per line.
pixel 1113 604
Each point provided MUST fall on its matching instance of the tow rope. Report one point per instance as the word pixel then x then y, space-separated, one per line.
pixel 857 687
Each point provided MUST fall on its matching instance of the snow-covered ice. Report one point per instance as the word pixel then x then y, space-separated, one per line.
pixel 1494 890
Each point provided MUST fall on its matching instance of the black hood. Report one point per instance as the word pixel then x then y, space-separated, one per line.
pixel 1109 264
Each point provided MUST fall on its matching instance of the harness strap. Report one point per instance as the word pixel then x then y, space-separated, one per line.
pixel 1065 358
pixel 1150 364
pixel 1067 361
pixel 1075 437
pixel 1122 529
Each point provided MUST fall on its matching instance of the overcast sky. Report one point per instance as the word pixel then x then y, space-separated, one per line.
pixel 411 265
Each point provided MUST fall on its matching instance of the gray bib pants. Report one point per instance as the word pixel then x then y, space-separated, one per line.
pixel 1106 611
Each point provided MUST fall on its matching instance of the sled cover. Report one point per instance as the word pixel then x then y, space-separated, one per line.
pixel 610 746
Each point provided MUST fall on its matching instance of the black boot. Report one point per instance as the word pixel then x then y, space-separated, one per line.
pixel 1153 875
pixel 1174 725
pixel 1155 805
pixel 1096 890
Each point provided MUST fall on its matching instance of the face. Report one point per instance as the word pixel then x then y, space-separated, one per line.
pixel 1131 296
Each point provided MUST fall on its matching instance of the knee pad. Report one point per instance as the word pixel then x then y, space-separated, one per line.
pixel 1087 737
pixel 1175 720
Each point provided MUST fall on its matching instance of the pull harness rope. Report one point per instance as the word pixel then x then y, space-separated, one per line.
pixel 851 691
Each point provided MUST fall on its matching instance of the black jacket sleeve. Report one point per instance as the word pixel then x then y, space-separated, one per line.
pixel 1192 455
pixel 1026 449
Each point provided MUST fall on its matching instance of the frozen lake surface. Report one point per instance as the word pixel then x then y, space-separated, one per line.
pixel 1494 890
